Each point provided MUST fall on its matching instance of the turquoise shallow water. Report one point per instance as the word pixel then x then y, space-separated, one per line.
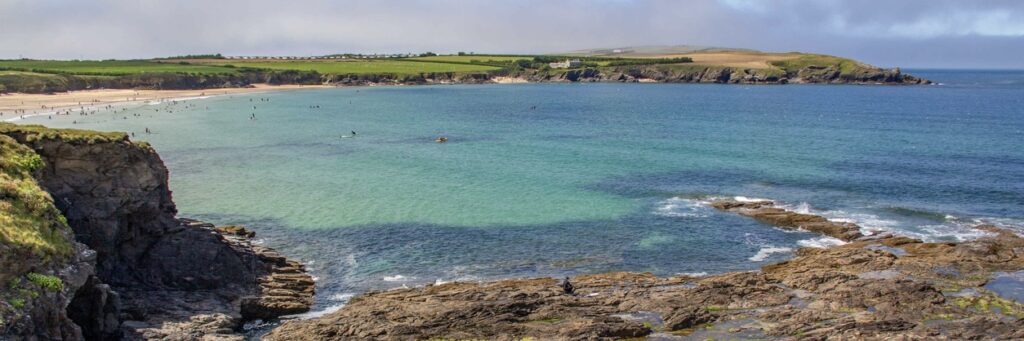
pixel 598 177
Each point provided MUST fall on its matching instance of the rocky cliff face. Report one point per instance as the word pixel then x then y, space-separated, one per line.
pixel 41 266
pixel 723 75
pixel 154 275
pixel 873 288
pixel 681 73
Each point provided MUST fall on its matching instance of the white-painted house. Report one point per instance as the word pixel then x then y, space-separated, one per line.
pixel 567 64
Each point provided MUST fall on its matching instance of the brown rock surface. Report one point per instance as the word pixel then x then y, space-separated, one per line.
pixel 766 211
pixel 878 289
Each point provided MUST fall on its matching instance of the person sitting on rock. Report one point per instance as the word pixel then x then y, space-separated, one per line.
pixel 567 287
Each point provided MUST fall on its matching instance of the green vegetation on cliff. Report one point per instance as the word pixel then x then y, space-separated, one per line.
pixel 35 132
pixel 844 65
pixel 29 222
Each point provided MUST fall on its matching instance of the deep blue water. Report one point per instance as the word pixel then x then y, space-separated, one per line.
pixel 599 177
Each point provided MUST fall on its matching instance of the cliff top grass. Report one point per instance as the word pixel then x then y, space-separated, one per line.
pixel 807 60
pixel 29 221
pixel 38 132
pixel 109 67
pixel 377 66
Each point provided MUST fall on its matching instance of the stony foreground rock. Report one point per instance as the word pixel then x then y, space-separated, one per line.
pixel 886 288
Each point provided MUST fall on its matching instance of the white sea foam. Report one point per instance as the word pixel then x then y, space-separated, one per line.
pixel 746 199
pixel 342 299
pixel 1015 225
pixel 693 274
pixel 397 278
pixel 317 313
pixel 175 99
pixel 350 260
pixel 802 208
pixel 681 208
pixel 767 251
pixel 821 242
pixel 957 231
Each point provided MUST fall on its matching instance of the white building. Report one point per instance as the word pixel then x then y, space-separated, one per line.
pixel 567 64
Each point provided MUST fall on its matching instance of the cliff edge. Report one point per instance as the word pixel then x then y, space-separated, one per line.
pixel 120 264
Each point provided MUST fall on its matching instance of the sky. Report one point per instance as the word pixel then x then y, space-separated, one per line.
pixel 905 33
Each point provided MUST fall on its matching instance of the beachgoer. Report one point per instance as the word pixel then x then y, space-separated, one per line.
pixel 567 287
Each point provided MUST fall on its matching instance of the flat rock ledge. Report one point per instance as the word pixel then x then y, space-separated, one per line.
pixel 284 288
pixel 880 288
pixel 767 212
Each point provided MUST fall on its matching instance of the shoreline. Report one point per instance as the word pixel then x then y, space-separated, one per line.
pixel 872 286
pixel 16 106
pixel 830 234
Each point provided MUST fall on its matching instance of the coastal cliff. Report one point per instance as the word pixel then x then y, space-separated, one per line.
pixel 92 248
pixel 821 70
pixel 681 73
pixel 873 288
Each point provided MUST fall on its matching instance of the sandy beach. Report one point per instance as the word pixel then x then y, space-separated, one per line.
pixel 13 106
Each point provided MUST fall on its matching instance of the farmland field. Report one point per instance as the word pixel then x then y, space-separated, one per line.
pixel 110 67
pixel 358 66
pixel 472 58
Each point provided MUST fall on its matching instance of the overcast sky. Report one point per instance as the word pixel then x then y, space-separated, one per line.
pixel 908 33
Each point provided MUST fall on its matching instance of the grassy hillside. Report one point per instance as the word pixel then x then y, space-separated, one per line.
pixel 109 67
pixel 392 66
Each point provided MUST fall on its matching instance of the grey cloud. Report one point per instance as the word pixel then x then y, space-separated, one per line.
pixel 935 33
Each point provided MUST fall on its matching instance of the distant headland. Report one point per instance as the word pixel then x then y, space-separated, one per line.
pixel 678 64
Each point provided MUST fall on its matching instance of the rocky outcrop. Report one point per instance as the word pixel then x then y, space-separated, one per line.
pixel 882 289
pixel 766 211
pixel 41 266
pixel 155 276
pixel 684 73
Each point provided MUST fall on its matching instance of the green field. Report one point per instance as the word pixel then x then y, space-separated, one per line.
pixel 392 66
pixel 472 58
pixel 110 67
pixel 845 65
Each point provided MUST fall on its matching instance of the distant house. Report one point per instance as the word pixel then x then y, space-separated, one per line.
pixel 567 64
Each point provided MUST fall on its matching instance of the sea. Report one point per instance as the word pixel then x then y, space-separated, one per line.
pixel 539 180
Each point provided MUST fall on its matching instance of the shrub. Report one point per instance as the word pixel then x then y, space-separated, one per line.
pixel 51 283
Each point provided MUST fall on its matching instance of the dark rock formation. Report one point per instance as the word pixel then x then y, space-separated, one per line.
pixel 684 73
pixel 869 289
pixel 155 276
pixel 41 266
